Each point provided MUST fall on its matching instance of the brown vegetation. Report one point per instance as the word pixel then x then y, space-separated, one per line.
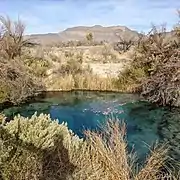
pixel 16 83
pixel 11 38
pixel 85 81
pixel 155 70
pixel 124 44
pixel 162 62
pixel 24 73
pixel 76 43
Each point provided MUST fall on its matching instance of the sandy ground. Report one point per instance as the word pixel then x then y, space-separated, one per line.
pixel 103 60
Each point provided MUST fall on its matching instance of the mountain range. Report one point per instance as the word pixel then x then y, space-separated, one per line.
pixel 100 33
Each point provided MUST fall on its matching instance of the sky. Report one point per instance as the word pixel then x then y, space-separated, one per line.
pixel 48 16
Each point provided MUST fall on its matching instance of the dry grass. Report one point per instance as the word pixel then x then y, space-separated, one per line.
pixel 86 81
pixel 89 54
pixel 154 164
pixel 105 156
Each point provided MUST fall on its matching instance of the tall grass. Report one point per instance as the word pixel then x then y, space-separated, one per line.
pixel 86 81
pixel 106 153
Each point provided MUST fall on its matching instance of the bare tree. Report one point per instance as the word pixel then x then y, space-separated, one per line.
pixel 123 44
pixel 11 37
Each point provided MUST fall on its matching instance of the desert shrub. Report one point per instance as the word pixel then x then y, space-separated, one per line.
pixel 16 83
pixel 79 57
pixel 36 148
pixel 55 58
pixel 124 43
pixel 123 46
pixel 68 54
pixel 130 79
pixel 170 134
pixel 77 43
pixel 36 65
pixel 157 59
pixel 4 91
pixel 41 149
pixel 107 154
pixel 89 37
pixel 107 54
pixel 73 65
pixel 162 58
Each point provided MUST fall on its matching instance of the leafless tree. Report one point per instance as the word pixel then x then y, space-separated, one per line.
pixel 123 44
pixel 12 38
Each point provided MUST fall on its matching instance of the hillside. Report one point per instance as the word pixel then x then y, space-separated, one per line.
pixel 100 33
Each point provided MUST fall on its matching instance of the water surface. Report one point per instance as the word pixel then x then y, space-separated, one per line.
pixel 89 110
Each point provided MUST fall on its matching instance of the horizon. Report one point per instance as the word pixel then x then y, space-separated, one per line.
pixel 54 16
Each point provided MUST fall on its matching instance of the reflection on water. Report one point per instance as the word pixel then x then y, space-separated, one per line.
pixel 89 110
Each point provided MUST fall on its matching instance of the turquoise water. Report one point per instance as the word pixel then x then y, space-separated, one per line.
pixel 90 110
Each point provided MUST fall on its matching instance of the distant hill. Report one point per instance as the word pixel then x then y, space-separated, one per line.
pixel 100 33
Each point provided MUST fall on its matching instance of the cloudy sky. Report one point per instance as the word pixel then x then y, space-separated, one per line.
pixel 42 16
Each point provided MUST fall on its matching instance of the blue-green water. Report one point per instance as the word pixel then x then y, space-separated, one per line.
pixel 90 110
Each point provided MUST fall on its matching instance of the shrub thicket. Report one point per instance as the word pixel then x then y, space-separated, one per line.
pixel 155 70
pixel 16 83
